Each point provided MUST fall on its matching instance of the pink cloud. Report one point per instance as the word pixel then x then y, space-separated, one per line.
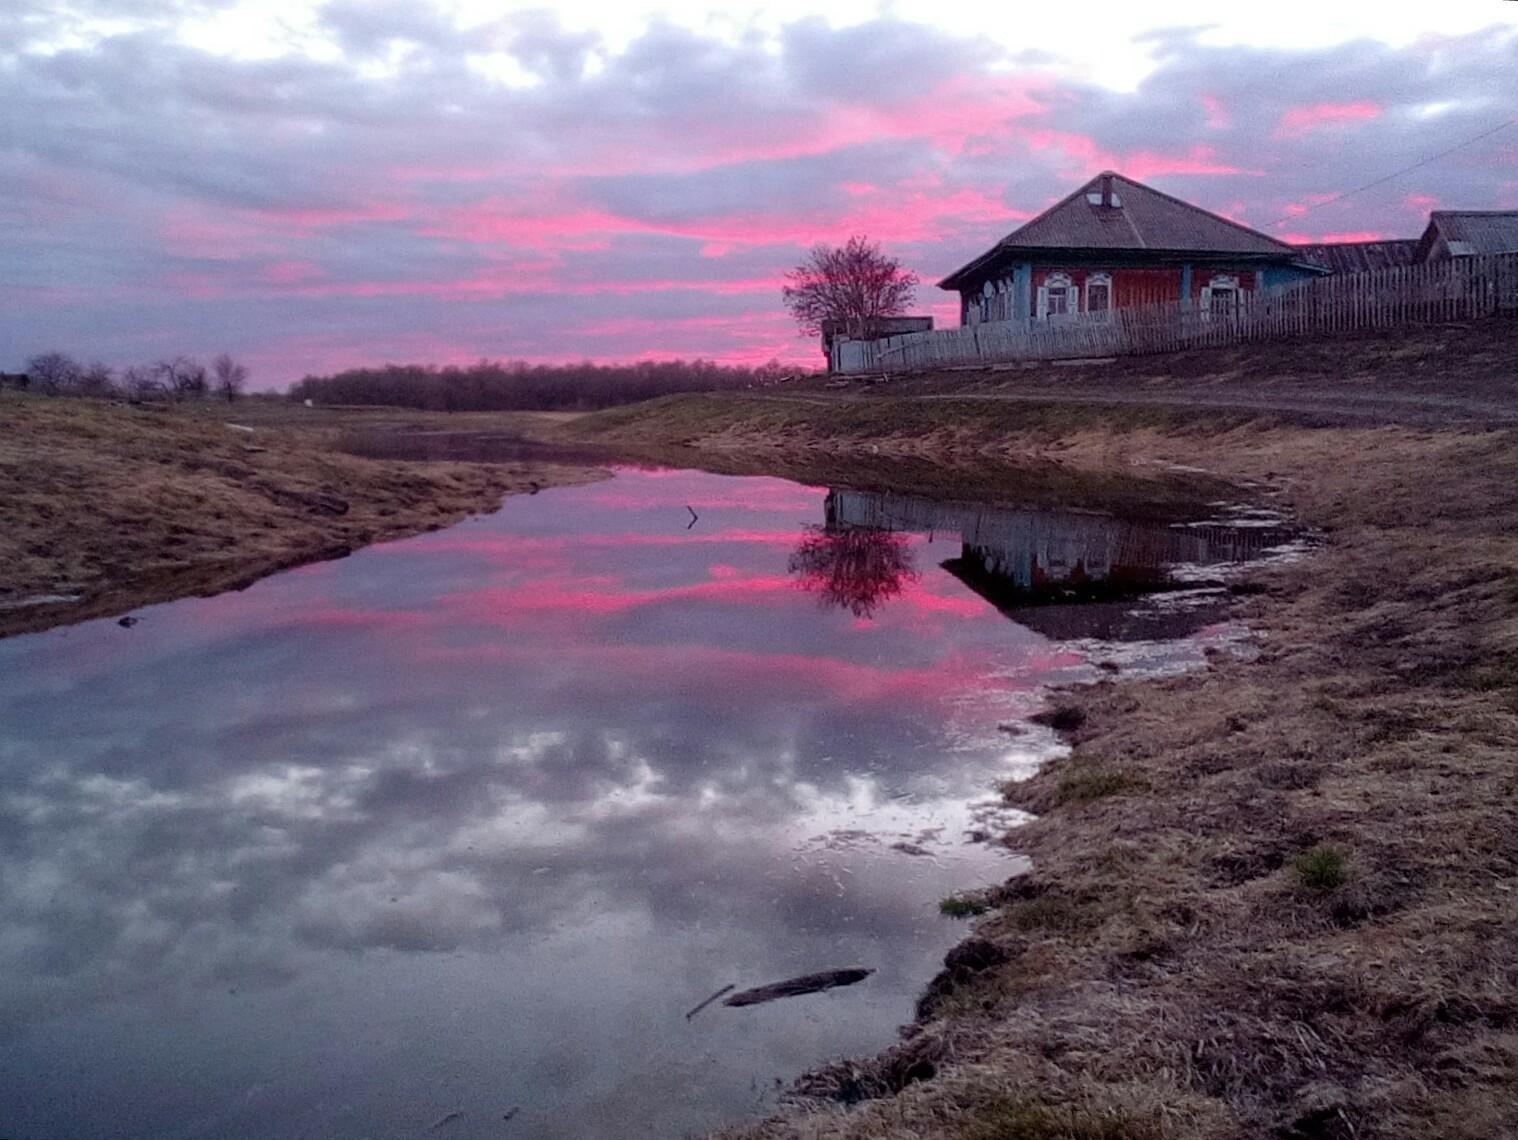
pixel 1299 121
pixel 1217 114
pixel 1341 235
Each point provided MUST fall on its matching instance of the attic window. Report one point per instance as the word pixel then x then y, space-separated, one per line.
pixel 1461 249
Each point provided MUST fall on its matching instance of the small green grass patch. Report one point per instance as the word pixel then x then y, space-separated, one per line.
pixel 1079 785
pixel 962 906
pixel 1321 868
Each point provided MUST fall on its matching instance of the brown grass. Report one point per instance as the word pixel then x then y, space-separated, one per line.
pixel 125 506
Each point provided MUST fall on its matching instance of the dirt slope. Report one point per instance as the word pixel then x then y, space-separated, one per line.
pixel 117 506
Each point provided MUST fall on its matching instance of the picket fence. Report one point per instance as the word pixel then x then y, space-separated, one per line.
pixel 1459 289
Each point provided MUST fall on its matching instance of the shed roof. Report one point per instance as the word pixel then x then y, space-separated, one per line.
pixel 1482 231
pixel 1115 213
pixel 1360 256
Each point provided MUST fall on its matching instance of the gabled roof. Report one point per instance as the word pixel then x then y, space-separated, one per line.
pixel 1115 213
pixel 1481 231
pixel 1360 256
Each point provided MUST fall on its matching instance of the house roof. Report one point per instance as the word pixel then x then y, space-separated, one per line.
pixel 1112 213
pixel 1482 231
pixel 1360 256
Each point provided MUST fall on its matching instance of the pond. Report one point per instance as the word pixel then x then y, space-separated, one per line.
pixel 449 836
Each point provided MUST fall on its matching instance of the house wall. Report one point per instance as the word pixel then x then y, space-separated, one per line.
pixel 1130 286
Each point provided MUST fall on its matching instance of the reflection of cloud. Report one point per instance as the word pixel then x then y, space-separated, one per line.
pixel 418 796
pixel 377 757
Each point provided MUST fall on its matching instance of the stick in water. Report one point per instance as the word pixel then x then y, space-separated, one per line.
pixel 707 1002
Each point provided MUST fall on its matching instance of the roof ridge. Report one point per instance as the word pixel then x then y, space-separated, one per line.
pixel 1201 209
pixel 1470 213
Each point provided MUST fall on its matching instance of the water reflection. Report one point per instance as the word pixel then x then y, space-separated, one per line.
pixel 1070 575
pixel 466 823
pixel 856 568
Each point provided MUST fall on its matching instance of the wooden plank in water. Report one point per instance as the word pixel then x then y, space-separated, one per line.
pixel 795 987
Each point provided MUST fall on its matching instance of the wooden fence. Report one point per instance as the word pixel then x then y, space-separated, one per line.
pixel 1459 289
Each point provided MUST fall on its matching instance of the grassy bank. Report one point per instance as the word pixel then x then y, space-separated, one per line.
pixel 116 507
pixel 1274 898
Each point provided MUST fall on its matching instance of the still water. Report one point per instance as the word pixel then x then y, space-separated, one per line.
pixel 447 837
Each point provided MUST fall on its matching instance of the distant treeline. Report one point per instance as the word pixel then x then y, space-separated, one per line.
pixel 519 386
pixel 182 377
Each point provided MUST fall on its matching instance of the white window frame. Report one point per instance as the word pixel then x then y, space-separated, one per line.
pixel 1103 280
pixel 1072 297
pixel 1221 283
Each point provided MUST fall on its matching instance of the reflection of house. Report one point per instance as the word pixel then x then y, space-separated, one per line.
pixel 1116 243
pixel 1027 556
pixel 1026 562
pixel 1468 233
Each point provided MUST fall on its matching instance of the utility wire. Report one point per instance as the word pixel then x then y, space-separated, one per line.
pixel 1395 174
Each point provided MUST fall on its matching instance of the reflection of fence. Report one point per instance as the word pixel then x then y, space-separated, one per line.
pixel 1459 289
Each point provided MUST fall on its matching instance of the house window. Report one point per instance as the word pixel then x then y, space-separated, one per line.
pixel 1098 293
pixel 1221 296
pixel 1058 298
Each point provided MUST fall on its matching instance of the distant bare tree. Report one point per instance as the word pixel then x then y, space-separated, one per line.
pixel 54 373
pixel 141 381
pixel 847 288
pixel 231 377
pixel 96 379
pixel 182 376
pixel 854 568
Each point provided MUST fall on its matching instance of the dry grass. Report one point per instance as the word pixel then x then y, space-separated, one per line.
pixel 124 506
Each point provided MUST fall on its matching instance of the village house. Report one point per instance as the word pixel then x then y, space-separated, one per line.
pixel 1467 233
pixel 1116 243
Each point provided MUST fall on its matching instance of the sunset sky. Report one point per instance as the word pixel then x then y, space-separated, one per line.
pixel 317 185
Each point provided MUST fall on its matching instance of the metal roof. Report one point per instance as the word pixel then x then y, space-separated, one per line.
pixel 1482 231
pixel 1115 213
pixel 1360 256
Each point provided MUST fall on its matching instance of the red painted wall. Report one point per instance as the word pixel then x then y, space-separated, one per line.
pixel 1136 286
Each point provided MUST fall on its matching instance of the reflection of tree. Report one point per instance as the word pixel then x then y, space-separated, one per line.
pixel 854 568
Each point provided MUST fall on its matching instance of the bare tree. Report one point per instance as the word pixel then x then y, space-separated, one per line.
pixel 847 288
pixel 854 568
pixel 182 376
pixel 231 377
pixel 96 379
pixel 54 373
pixel 141 381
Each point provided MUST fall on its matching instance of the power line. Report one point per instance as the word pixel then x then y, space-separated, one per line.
pixel 1395 174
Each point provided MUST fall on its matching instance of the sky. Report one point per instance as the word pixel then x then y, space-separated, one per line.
pixel 313 186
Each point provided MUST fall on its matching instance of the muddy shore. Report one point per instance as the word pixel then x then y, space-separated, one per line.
pixel 110 507
pixel 1273 898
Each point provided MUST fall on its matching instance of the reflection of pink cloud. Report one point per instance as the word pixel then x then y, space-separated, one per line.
pixel 510 548
pixel 794 677
pixel 1298 121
